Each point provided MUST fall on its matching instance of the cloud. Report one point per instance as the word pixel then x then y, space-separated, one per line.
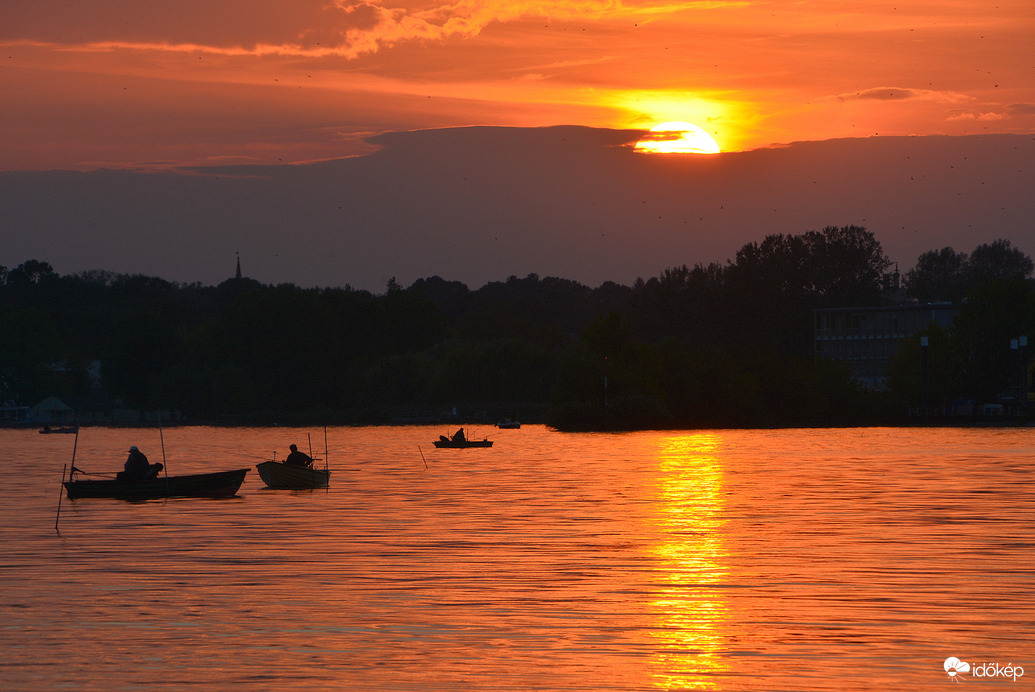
pixel 1021 109
pixel 880 94
pixel 309 28
pixel 902 94
pixel 981 117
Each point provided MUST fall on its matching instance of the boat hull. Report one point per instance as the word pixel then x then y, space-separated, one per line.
pixel 281 476
pixel 450 444
pixel 219 484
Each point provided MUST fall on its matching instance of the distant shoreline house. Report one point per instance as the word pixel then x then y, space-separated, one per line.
pixel 15 415
pixel 53 410
pixel 867 339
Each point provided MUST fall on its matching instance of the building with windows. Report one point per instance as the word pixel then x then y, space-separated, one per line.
pixel 867 339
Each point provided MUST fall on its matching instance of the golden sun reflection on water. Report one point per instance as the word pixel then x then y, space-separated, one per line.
pixel 691 612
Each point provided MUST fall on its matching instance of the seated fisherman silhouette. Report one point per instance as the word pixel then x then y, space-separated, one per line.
pixel 138 468
pixel 297 458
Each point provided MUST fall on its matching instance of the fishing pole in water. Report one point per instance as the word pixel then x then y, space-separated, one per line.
pixel 61 492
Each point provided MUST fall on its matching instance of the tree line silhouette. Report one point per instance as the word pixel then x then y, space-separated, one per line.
pixel 718 345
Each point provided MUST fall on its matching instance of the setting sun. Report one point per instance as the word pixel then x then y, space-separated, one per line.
pixel 677 138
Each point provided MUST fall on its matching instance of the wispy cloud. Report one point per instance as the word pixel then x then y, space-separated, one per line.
pixel 902 94
pixel 309 28
pixel 980 117
pixel 1021 109
pixel 880 94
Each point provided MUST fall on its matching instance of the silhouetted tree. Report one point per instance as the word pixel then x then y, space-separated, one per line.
pixel 998 260
pixel 845 266
pixel 774 285
pixel 939 275
pixel 993 314
pixel 30 273
pixel 703 345
pixel 947 275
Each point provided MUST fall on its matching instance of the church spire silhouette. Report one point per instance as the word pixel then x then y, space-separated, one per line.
pixel 238 265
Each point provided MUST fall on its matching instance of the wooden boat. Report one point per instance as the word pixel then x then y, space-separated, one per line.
pixel 508 424
pixel 218 484
pixel 67 430
pixel 461 444
pixel 277 474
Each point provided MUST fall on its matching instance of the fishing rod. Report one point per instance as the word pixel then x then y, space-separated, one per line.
pixel 326 457
pixel 161 437
pixel 326 452
pixel 165 462
pixel 61 493
pixel 312 467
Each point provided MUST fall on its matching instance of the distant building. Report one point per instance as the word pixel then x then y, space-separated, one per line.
pixel 867 339
pixel 53 410
pixel 15 414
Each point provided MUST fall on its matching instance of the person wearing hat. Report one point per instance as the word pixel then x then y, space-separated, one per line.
pixel 297 458
pixel 137 466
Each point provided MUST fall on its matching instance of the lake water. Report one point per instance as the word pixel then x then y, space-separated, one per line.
pixel 707 560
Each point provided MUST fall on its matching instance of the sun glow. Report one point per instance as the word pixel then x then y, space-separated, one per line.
pixel 677 137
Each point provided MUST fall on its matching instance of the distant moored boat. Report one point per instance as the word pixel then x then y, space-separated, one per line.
pixel 68 429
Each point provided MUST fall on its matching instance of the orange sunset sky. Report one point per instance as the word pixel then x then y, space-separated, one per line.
pixel 184 82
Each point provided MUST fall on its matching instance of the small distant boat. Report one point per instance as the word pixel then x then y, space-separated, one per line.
pixel 508 424
pixel 70 429
pixel 281 476
pixel 218 484
pixel 446 443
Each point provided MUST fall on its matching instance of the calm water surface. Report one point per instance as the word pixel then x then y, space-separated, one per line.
pixel 708 560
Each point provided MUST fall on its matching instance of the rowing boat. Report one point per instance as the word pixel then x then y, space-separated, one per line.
pixel 281 476
pixel 218 484
pixel 461 444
